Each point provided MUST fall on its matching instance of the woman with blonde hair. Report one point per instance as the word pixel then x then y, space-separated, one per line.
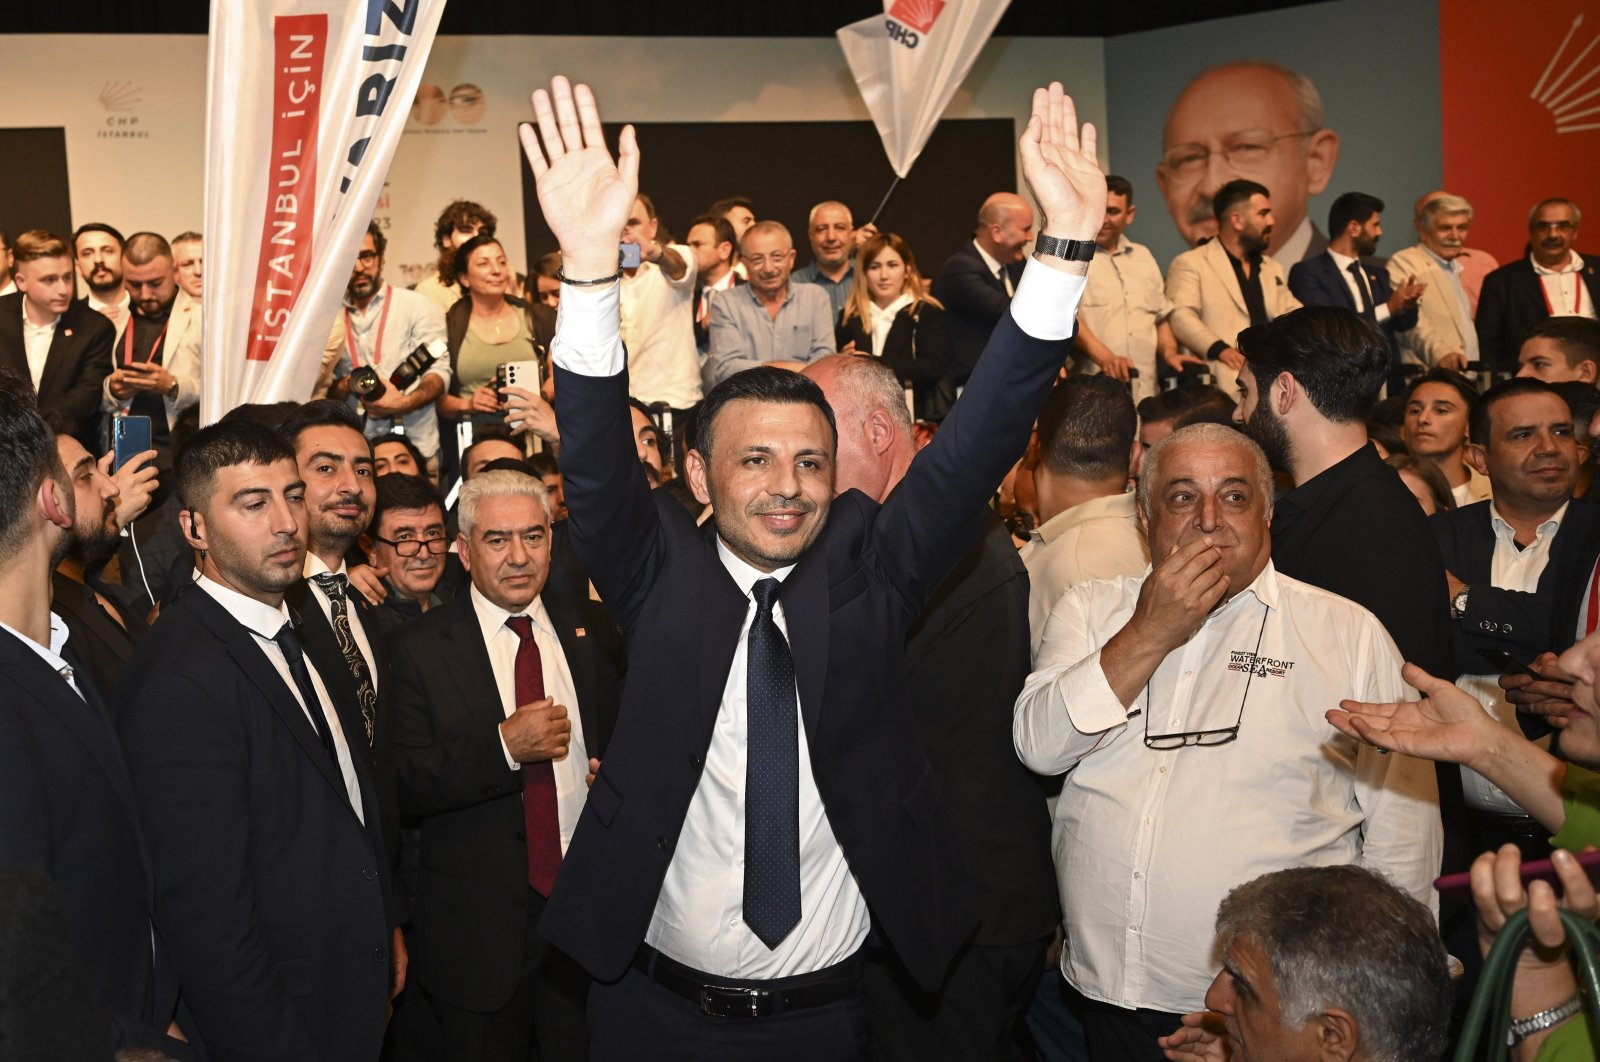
pixel 890 314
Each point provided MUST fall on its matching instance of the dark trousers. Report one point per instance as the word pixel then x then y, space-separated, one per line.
pixel 544 1020
pixel 637 1020
pixel 975 1015
pixel 1117 1034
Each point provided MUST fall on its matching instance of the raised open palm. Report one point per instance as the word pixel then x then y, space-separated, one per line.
pixel 1061 168
pixel 585 195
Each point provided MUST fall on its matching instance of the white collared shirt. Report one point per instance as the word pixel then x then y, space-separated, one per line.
pixel 1510 568
pixel 118 311
pixel 264 622
pixel 1124 301
pixel 51 654
pixel 995 269
pixel 699 916
pixel 315 566
pixel 412 321
pixel 1147 842
pixel 1564 289
pixel 571 771
pixel 658 327
pixel 1360 290
pixel 36 340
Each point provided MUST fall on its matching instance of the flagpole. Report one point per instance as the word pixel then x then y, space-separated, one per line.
pixel 892 186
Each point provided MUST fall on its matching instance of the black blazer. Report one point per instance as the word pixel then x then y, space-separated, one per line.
pixel 1511 302
pixel 849 603
pixel 77 365
pixel 67 806
pixel 974 300
pixel 98 641
pixel 1318 281
pixel 272 893
pixel 472 886
pixel 966 662
pixel 917 348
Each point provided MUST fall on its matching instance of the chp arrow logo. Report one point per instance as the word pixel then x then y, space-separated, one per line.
pixel 910 20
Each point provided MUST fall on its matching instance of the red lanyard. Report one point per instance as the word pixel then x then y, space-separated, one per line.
pixel 127 340
pixel 1594 603
pixel 1577 294
pixel 377 345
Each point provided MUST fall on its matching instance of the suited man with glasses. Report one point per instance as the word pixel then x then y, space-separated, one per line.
pixel 1187 703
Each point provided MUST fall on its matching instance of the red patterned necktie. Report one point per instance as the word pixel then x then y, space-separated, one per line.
pixel 541 819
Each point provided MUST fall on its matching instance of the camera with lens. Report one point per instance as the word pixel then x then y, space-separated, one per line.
pixel 365 383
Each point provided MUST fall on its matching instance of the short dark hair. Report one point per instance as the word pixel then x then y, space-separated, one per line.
pixel 97 226
pixel 486 433
pixel 1087 426
pixel 544 464
pixel 722 206
pixel 1351 206
pixel 318 413
pixel 463 254
pixel 1443 500
pixel 1336 356
pixel 27 456
pixel 461 213
pixel 508 464
pixel 1584 401
pixel 1386 424
pixel 1170 405
pixel 230 441
pixel 403 440
pixel 1232 194
pixel 1120 186
pixel 763 383
pixel 1464 386
pixel 380 242
pixel 721 228
pixel 1346 937
pixel 1210 406
pixel 1478 418
pixel 1578 338
pixel 403 492
pixel 143 248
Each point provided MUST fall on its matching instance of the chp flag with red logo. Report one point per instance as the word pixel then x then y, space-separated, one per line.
pixel 306 103
pixel 909 63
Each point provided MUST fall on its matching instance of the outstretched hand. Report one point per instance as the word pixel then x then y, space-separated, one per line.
pixel 1447 724
pixel 1061 168
pixel 584 195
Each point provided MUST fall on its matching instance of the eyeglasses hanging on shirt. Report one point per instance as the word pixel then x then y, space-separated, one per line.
pixel 1205 738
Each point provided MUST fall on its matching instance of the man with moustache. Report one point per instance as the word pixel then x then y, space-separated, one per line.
pixel 56 344
pixel 1230 283
pixel 768 321
pixel 157 356
pixel 1188 701
pixel 97 248
pixel 834 240
pixel 1255 121
pixel 1554 280
pixel 1444 336
pixel 383 326
pixel 977 282
pixel 409 542
pixel 271 881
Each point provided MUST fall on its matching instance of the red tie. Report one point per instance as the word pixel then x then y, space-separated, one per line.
pixel 541 820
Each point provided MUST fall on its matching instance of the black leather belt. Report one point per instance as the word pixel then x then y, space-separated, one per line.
pixel 836 983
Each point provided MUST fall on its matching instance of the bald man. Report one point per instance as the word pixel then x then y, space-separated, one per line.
pixel 977 283
pixel 1255 121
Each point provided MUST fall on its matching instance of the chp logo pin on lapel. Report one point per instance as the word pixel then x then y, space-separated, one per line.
pixel 911 20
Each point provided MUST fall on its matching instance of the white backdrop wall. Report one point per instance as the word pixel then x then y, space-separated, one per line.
pixel 134 112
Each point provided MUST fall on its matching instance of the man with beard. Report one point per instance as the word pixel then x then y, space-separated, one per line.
pixel 271 882
pixel 1554 280
pixel 1340 276
pixel 383 326
pixel 769 321
pixel 103 627
pixel 157 356
pixel 1230 283
pixel 97 247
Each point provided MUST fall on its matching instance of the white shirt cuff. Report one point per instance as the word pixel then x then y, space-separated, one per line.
pixel 1086 693
pixel 1046 302
pixel 513 764
pixel 589 330
pixel 1381 314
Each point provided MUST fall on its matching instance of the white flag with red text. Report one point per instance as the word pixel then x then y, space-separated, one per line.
pixel 910 61
pixel 306 103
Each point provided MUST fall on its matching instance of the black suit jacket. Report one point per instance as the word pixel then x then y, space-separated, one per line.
pixel 472 885
pixel 77 365
pixel 966 662
pixel 849 603
pixel 974 300
pixel 1318 281
pixel 99 642
pixel 272 893
pixel 1512 301
pixel 67 807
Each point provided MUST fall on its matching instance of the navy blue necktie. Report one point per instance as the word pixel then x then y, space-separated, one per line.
pixel 288 639
pixel 1365 308
pixel 772 778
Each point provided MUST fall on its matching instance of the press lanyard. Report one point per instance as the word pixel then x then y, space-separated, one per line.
pixel 127 340
pixel 377 344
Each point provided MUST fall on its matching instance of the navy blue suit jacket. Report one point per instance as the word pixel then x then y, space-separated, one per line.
pixel 974 301
pixel 1318 281
pixel 1512 301
pixel 849 604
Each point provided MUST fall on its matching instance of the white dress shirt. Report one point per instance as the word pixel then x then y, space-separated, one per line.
pixel 1126 298
pixel 1564 290
pixel 1147 843
pixel 314 567
pixel 264 622
pixel 36 340
pixel 571 771
pixel 412 321
pixel 117 311
pixel 699 916
pixel 1360 289
pixel 1510 568
pixel 658 327
pixel 995 269
pixel 51 654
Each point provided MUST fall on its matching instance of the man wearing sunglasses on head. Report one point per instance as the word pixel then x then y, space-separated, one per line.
pixel 1187 704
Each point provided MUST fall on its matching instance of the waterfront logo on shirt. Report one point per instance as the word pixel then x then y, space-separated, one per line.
pixel 1261 666
pixel 910 18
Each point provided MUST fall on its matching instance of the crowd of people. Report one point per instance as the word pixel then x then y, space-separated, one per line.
pixel 679 654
